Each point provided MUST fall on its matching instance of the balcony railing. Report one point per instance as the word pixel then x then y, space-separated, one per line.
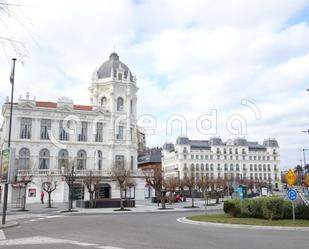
pixel 60 172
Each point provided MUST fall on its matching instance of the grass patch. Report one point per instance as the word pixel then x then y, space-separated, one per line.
pixel 224 218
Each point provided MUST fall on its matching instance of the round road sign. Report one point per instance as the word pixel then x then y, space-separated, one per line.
pixel 292 194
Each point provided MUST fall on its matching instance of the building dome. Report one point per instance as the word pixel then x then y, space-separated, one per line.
pixel 113 65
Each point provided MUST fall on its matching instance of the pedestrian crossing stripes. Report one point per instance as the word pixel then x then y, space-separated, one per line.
pixel 2 235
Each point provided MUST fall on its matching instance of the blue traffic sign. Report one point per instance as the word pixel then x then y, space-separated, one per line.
pixel 308 192
pixel 292 194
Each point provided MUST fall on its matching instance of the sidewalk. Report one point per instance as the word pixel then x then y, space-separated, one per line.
pixel 142 206
pixel 147 207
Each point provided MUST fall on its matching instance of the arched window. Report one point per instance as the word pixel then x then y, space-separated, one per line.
pixel 197 167
pixel 99 160
pixel 103 101
pixel 44 159
pixel 192 167
pixel 120 104
pixel 81 159
pixel 24 158
pixel 63 159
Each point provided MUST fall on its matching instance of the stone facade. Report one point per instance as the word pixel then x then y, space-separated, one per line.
pixel 235 160
pixel 48 136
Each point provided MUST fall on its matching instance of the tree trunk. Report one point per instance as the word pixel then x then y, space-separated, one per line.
pixel 192 197
pixel 49 200
pixel 205 199
pixel 158 196
pixel 163 202
pixel 121 202
pixel 25 198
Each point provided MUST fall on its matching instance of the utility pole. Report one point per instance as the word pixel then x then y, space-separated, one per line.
pixel 304 154
pixel 6 185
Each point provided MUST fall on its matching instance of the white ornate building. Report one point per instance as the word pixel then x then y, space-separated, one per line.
pixel 234 160
pixel 49 135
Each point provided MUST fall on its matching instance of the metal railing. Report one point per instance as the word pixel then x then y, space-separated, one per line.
pixel 60 172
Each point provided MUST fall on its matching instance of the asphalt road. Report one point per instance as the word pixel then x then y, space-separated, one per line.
pixel 139 231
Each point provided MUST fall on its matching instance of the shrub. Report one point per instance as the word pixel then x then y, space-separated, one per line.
pixel 287 210
pixel 302 212
pixel 232 207
pixel 245 210
pixel 272 208
pixel 255 208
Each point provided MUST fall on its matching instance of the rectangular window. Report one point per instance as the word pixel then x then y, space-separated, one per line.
pixel 99 132
pixel 119 134
pixel 131 134
pixel 63 135
pixel 25 128
pixel 131 106
pixel 83 133
pixel 45 127
pixel 119 161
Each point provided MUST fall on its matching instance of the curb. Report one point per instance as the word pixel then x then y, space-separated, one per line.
pixel 9 224
pixel 80 213
pixel 253 227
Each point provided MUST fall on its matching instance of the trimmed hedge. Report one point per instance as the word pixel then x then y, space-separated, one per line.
pixel 265 207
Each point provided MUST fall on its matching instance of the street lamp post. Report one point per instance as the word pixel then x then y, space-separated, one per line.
pixel 178 178
pixel 6 185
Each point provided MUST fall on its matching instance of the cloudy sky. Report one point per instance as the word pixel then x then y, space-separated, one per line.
pixel 243 65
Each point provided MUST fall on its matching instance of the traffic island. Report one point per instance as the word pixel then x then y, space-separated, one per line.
pixel 227 219
pixel 9 224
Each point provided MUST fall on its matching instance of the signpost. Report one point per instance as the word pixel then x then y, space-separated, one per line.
pixel 290 178
pixel 292 195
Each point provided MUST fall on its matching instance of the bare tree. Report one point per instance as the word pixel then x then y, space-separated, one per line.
pixel 121 175
pixel 92 183
pixel 24 181
pixel 170 185
pixel 154 179
pixel 49 186
pixel 190 183
pixel 12 11
pixel 128 185
pixel 203 184
pixel 70 177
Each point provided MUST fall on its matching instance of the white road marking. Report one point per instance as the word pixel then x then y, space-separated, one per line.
pixel 109 247
pixel 78 243
pixel 2 235
pixel 40 240
pixel 54 216
pixel 37 240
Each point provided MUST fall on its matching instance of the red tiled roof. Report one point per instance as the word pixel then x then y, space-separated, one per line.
pixel 54 105
pixel 46 104
pixel 83 107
